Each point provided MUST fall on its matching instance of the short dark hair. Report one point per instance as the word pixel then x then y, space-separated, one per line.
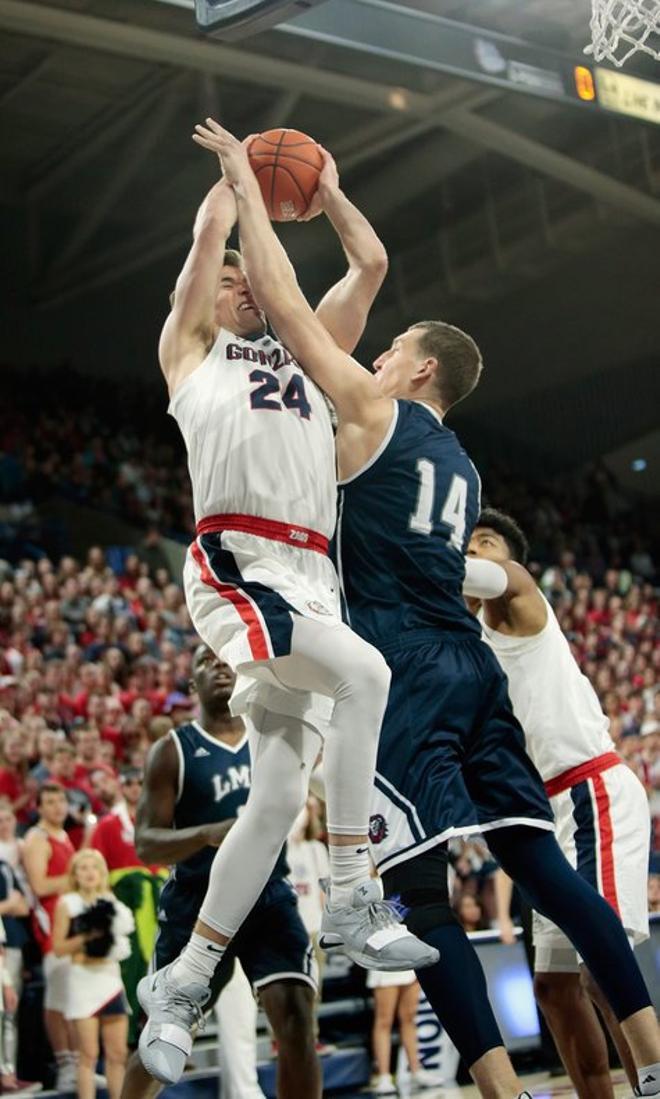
pixel 509 530
pixel 49 788
pixel 128 773
pixel 459 359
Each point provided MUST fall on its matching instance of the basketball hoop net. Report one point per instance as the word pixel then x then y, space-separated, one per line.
pixel 620 28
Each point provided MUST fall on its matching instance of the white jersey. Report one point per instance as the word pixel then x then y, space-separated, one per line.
pixel 554 702
pixel 258 435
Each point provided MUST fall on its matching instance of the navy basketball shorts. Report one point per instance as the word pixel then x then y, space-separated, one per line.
pixel 451 757
pixel 272 944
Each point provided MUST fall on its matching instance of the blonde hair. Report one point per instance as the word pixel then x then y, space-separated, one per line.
pixel 231 258
pixel 101 865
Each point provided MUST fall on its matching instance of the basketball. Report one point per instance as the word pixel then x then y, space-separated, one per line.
pixel 287 164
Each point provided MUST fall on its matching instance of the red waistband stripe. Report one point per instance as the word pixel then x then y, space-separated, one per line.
pixel 289 533
pixel 257 635
pixel 581 773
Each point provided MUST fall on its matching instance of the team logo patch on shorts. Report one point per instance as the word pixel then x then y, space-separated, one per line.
pixel 377 828
pixel 317 608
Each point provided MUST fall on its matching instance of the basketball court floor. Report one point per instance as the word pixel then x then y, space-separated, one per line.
pixel 540 1086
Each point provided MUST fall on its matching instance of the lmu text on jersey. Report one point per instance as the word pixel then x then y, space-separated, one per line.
pixel 235 778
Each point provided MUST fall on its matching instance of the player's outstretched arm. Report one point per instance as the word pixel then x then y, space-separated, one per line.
pixel 188 331
pixel 157 842
pixel 344 310
pixel 273 282
pixel 510 584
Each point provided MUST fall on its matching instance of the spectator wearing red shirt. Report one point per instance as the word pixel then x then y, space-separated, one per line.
pixel 114 835
pixel 113 724
pixel 88 743
pixel 16 785
pixel 133 570
pixel 96 709
pixel 167 685
pixel 46 856
pixel 78 792
pixel 88 676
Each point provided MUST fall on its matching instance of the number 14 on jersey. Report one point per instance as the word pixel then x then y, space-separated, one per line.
pixel 453 509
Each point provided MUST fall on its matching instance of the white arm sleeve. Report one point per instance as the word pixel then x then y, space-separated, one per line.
pixel 484 579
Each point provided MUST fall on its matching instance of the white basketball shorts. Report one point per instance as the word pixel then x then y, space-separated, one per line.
pixel 244 589
pixel 603 828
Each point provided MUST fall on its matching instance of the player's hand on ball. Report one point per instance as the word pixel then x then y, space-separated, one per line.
pixel 233 154
pixel 328 185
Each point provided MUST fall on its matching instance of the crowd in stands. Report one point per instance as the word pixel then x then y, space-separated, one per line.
pixel 95 660
pixel 69 436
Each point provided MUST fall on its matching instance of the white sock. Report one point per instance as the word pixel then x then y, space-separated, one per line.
pixel 349 866
pixel 649 1079
pixel 198 961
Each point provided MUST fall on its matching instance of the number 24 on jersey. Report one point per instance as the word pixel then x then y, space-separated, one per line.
pixel 267 394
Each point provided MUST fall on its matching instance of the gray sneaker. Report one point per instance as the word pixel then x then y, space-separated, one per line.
pixel 370 932
pixel 174 1011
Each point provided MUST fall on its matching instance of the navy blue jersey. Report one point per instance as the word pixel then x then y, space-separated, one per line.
pixel 214 783
pixel 403 527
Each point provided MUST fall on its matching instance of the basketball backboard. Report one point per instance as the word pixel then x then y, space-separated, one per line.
pixel 234 19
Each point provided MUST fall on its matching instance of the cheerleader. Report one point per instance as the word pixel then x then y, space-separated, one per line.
pixel 92 928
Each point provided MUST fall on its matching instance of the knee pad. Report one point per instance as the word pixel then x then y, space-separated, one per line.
pixel 426 910
pixel 423 907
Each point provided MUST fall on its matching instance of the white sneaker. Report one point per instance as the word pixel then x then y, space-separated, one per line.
pixel 384 1085
pixel 425 1078
pixel 174 1011
pixel 66 1078
pixel 370 932
pixel 650 1080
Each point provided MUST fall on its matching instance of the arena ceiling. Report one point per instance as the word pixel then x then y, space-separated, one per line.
pixel 532 223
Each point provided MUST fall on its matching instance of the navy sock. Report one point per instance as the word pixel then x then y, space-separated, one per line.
pixel 534 860
pixel 456 990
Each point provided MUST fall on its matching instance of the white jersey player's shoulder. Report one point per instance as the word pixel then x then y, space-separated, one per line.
pixel 554 702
